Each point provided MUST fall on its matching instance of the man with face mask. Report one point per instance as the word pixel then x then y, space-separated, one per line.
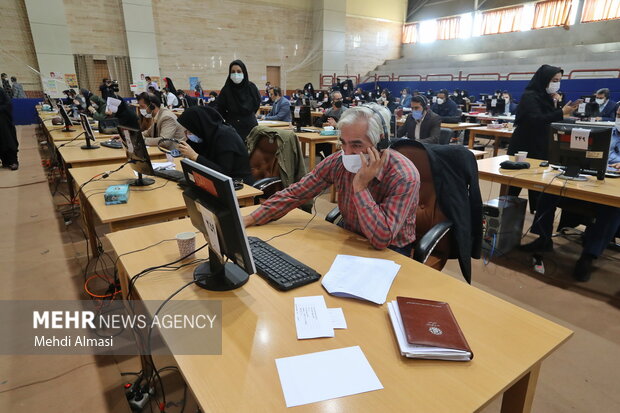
pixel 405 98
pixel 444 106
pixel 164 125
pixel 597 235
pixel 378 192
pixel 606 106
pixel 421 124
pixel 333 114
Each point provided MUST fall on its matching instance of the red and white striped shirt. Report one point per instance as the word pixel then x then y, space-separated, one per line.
pixel 384 212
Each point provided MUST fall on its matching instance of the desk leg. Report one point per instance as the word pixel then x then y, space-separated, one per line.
pixel 519 397
pixel 503 190
pixel 496 140
pixel 87 212
pixel 303 148
pixel 472 139
pixel 312 160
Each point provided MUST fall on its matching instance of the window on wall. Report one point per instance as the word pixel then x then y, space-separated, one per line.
pixel 597 10
pixel 502 21
pixel 552 13
pixel 449 28
pixel 411 33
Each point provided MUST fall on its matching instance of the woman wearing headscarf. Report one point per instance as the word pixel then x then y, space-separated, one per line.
pixel 97 107
pixel 214 144
pixel 538 108
pixel 126 116
pixel 8 134
pixel 239 99
pixel 170 86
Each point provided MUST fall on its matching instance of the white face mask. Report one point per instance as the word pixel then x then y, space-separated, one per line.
pixel 600 101
pixel 439 101
pixel 352 163
pixel 553 87
pixel 618 124
pixel 144 113
pixel 236 77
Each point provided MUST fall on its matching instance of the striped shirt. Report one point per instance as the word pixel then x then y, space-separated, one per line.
pixel 384 212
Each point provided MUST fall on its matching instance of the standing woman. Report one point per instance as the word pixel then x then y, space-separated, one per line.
pixel 8 134
pixel 538 108
pixel 170 86
pixel 239 99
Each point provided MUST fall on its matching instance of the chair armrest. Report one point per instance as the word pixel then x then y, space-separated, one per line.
pixel 263 184
pixel 333 215
pixel 425 245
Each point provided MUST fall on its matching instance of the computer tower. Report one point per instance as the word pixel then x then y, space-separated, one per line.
pixel 502 221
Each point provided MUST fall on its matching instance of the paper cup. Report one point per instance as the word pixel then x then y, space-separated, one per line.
pixel 520 156
pixel 186 242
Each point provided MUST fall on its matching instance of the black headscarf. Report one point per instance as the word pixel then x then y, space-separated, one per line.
pixel 542 77
pixel 126 116
pixel 204 122
pixel 242 98
pixel 170 85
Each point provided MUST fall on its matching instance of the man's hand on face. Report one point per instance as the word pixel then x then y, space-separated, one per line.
pixel 370 168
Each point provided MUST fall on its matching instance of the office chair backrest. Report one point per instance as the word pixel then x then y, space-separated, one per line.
pixel 428 213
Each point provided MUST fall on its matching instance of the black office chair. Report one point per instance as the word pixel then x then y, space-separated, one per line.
pixel 445 136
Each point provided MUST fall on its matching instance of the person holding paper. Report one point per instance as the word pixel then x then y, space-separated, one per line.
pixel 378 192
pixel 596 236
pixel 281 109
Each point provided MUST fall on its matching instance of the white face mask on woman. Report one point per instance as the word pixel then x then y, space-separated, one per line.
pixel 553 87
pixel 236 77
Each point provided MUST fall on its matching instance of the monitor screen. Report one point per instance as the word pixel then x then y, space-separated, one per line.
pixel 495 105
pixel 301 116
pixel 88 132
pixel 213 209
pixel 579 147
pixel 137 154
pixel 65 118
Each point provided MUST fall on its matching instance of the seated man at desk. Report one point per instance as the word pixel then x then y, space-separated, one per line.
pixel 165 124
pixel 445 107
pixel 606 106
pixel 281 109
pixel 596 236
pixel 511 107
pixel 333 114
pixel 377 192
pixel 421 124
pixel 191 100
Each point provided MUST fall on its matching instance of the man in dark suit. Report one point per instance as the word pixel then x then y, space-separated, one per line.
pixel 422 124
pixel 606 106
pixel 445 107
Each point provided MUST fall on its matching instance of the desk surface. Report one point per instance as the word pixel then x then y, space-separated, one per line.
pixel 161 197
pixel 605 192
pixel 273 123
pixel 259 327
pixel 459 126
pixel 491 131
pixel 73 154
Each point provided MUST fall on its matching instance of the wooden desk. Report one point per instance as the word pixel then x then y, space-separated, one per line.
pixel 509 343
pixel 606 192
pixel 486 118
pixel 273 123
pixel 159 202
pixel 478 154
pixel 74 156
pixel 264 109
pixel 312 139
pixel 497 134
pixel 459 126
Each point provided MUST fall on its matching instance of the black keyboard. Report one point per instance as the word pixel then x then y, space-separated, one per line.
pixel 114 144
pixel 170 174
pixel 591 172
pixel 281 270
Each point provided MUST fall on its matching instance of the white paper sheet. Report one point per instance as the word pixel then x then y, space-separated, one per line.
pixel 326 375
pixel 312 319
pixel 579 138
pixel 337 316
pixel 359 277
pixel 209 220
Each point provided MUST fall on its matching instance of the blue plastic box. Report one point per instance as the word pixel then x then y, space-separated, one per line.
pixel 116 194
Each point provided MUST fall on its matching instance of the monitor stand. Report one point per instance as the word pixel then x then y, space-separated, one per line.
pixel 571 173
pixel 141 181
pixel 214 275
pixel 68 129
pixel 89 146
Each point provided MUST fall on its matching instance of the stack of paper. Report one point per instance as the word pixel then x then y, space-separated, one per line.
pixel 421 351
pixel 358 277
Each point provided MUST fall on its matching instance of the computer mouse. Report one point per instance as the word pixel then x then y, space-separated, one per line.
pixel 544 163
pixel 238 185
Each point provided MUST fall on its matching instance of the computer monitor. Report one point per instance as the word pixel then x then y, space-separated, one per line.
pixel 301 116
pixel 137 154
pixel 184 103
pixel 495 106
pixel 65 118
pixel 213 209
pixel 577 147
pixel 88 133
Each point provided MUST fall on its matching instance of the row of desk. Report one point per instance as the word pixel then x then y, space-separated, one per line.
pixel 509 343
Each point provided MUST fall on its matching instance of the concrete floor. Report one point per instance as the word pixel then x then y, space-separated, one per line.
pixel 42 258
